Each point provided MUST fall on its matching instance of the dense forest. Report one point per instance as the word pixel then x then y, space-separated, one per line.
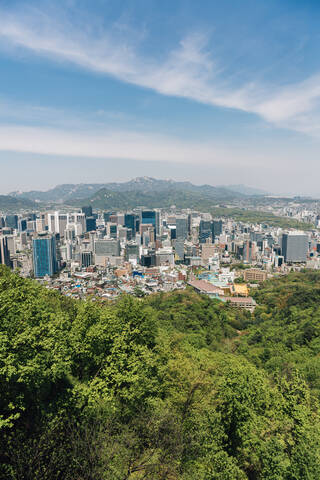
pixel 173 386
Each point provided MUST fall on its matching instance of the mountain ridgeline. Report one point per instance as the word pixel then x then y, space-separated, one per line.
pixel 10 203
pixel 152 193
pixel 173 386
pixel 138 186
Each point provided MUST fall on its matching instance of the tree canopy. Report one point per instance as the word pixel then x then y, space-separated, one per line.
pixel 172 386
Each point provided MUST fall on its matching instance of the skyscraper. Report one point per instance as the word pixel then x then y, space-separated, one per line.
pixel 87 211
pixel 44 256
pixel 179 249
pixel 22 224
pixel 11 221
pixel 90 224
pixel 181 227
pixel 148 216
pixel 107 247
pixel 295 247
pixel 130 222
pixel 4 251
pixel 216 228
pixel 86 259
pixel 112 230
pixel 205 231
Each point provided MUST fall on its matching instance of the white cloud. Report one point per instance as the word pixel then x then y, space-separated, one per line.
pixel 188 70
pixel 112 145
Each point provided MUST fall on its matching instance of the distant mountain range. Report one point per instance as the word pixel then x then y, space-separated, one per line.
pixel 151 193
pixel 246 190
pixel 141 186
pixel 12 204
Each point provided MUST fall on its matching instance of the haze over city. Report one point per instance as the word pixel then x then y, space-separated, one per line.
pixel 106 91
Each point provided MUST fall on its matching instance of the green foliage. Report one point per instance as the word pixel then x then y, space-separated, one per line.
pixel 172 386
pixel 257 216
pixel 12 204
pixel 285 334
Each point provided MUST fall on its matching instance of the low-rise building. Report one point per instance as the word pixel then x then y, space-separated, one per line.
pixel 255 275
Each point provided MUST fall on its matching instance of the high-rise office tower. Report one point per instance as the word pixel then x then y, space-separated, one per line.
pixel 112 230
pixel 78 218
pixel 44 255
pixel 130 222
pixel 107 215
pixel 87 211
pixel 4 252
pixel 40 225
pixel 181 227
pixel 205 231
pixel 86 259
pixel 179 249
pixel 91 224
pixel 295 247
pixel 107 247
pixel 216 228
pixel 189 223
pixel 132 251
pixel 57 222
pixel 70 232
pixel 61 222
pixel 11 244
pixel 11 221
pixel 149 216
pixel 31 226
pixel 158 221
pixel 248 251
pixel 22 224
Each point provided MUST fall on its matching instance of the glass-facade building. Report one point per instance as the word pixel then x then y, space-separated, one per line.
pixel 148 216
pixel 216 228
pixel 44 256
pixel 182 227
pixel 205 231
pixel 11 221
pixel 130 222
pixel 4 251
pixel 91 224
pixel 295 247
pixel 87 210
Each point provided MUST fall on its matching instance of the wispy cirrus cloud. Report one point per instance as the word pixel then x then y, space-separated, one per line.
pixel 188 70
pixel 115 144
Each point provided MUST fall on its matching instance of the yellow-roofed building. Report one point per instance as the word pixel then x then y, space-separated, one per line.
pixel 240 290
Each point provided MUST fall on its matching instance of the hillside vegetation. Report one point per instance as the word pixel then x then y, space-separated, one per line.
pixel 175 386
pixel 12 204
pixel 69 192
pixel 257 216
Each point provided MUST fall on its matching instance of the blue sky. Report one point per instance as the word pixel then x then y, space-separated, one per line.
pixel 209 91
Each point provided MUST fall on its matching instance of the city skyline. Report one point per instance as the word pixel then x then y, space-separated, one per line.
pixel 125 89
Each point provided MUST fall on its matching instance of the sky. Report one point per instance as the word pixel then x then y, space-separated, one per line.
pixel 210 91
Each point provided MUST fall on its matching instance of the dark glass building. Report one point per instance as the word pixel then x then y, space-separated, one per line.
pixel 205 231
pixel 216 228
pixel 87 211
pixel 130 222
pixel 91 224
pixel 4 252
pixel 44 256
pixel 11 221
pixel 148 216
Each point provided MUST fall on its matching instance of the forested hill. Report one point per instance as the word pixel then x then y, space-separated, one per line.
pixel 175 386
pixel 12 204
